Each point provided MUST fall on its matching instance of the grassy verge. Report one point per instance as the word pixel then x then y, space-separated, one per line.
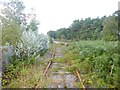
pixel 30 76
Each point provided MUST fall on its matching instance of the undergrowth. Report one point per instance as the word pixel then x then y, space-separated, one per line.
pixel 16 65
pixel 29 77
pixel 97 61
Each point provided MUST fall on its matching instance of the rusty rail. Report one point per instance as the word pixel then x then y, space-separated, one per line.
pixel 80 79
pixel 45 72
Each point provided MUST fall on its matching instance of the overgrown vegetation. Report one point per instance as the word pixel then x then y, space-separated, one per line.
pixel 94 49
pixel 20 31
pixel 30 76
pixel 97 61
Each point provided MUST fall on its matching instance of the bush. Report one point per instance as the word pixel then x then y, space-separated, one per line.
pixel 31 45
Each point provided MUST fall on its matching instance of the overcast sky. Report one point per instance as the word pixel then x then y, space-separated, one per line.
pixel 55 14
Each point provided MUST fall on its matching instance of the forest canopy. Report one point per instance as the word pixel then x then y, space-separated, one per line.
pixel 104 28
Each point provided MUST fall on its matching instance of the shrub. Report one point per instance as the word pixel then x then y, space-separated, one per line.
pixel 25 51
pixel 31 45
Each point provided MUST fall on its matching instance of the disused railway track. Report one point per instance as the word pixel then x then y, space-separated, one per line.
pixel 76 71
pixel 46 70
pixel 77 74
pixel 50 63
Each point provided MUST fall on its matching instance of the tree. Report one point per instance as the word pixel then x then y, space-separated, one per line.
pixel 33 25
pixel 75 26
pixel 52 34
pixel 110 28
pixel 62 37
pixel 10 32
pixel 13 10
pixel 91 29
pixel 12 21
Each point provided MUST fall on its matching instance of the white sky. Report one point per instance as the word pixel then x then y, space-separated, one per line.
pixel 55 14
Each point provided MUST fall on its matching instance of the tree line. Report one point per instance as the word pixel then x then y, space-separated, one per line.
pixel 104 28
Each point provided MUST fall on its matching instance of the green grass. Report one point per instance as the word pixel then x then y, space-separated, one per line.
pixel 29 76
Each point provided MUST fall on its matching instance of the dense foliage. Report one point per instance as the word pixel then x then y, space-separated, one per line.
pixel 20 30
pixel 31 45
pixel 89 29
pixel 97 61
